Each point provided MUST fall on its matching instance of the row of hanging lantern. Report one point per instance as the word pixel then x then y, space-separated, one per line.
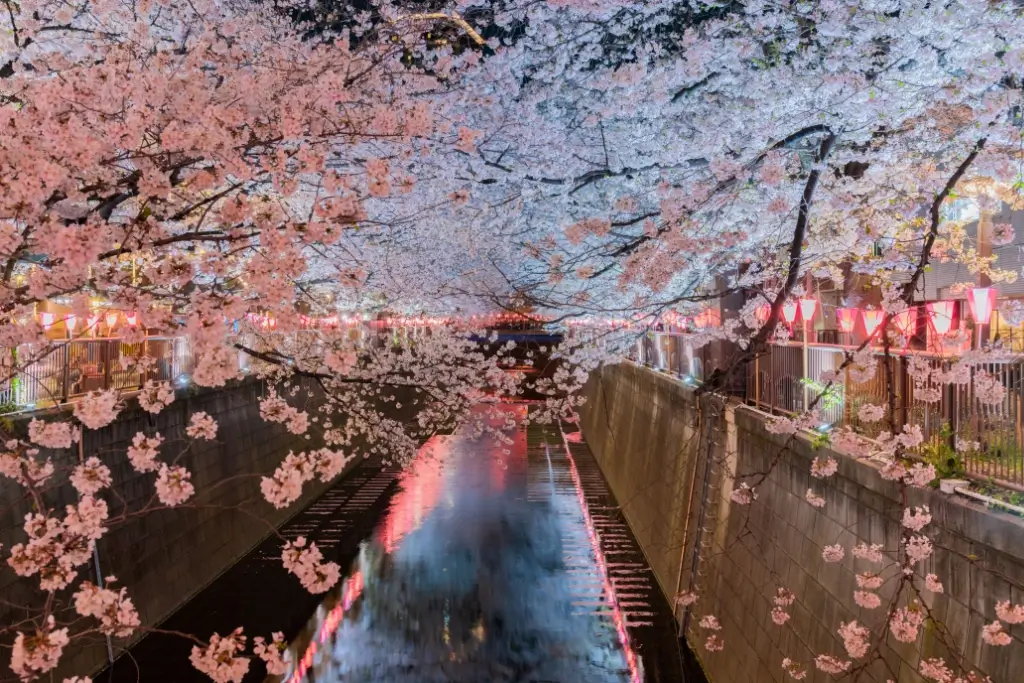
pixel 981 302
pixel 92 322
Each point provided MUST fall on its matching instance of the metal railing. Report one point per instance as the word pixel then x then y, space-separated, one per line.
pixel 39 375
pixel 786 381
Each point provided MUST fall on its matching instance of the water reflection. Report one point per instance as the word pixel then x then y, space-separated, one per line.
pixel 464 580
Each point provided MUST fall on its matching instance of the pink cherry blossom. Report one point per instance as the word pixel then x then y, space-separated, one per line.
pixel 917 518
pixel 822 468
pixel 1011 614
pixel 919 549
pixel 143 452
pixel 935 669
pixel 870 413
pixel 201 426
pixel 932 583
pixel 307 563
pixel 686 598
pixel 714 643
pixel 794 670
pixel 993 634
pixel 905 623
pixel 39 652
pixel 831 665
pixel 97 408
pixel 274 654
pixel 710 622
pixel 833 553
pixel 173 486
pixel 221 660
pixel 855 639
pixel 90 477
pixel 155 396
pixel 867 599
pixel 744 494
pixel 114 610
pixel 814 499
pixel 52 434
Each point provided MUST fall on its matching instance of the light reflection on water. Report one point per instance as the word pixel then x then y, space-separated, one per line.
pixel 464 580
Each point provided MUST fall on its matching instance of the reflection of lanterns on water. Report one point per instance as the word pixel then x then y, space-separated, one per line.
pixel 420 492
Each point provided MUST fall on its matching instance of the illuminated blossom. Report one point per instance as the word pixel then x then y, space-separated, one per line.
pixel 916 519
pixel 97 408
pixel 221 660
pixel 795 671
pixel 90 477
pixel 1011 614
pixel 39 652
pixel 710 622
pixel 919 549
pixel 173 486
pixel 869 581
pixel 114 610
pixel 932 583
pixel 831 665
pixel 920 475
pixel 155 396
pixel 905 623
pixel 855 639
pixel 142 454
pixel 714 643
pixel 823 468
pixel 274 654
pixel 201 426
pixel 744 495
pixel 935 669
pixel 833 553
pixel 867 599
pixel 993 634
pixel 52 434
pixel 870 413
pixel 307 564
pixel 814 499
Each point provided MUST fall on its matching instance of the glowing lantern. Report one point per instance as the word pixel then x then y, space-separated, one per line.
pixel 111 319
pixel 46 319
pixel 982 301
pixel 807 309
pixel 700 320
pixel 941 314
pixel 71 322
pixel 847 319
pixel 762 312
pixel 906 321
pixel 872 319
pixel 132 318
pixel 94 323
pixel 789 312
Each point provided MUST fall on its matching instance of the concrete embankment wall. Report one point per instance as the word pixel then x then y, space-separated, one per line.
pixel 671 466
pixel 165 557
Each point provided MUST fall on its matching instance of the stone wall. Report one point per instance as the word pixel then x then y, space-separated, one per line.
pixel 165 557
pixel 643 428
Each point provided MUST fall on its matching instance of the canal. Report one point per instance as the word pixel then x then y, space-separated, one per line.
pixel 499 557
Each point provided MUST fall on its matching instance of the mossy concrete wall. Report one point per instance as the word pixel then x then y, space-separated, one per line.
pixel 671 460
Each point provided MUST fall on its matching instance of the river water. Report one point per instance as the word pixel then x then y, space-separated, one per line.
pixel 497 557
pixel 484 568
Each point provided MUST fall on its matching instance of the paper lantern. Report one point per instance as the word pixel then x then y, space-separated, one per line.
pixel 132 318
pixel 906 321
pixel 789 312
pixel 941 314
pixel 847 319
pixel 111 319
pixel 46 319
pixel 807 309
pixel 982 301
pixel 71 322
pixel 872 319
pixel 762 312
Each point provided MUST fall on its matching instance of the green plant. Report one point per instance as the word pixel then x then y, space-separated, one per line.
pixel 831 396
pixel 942 456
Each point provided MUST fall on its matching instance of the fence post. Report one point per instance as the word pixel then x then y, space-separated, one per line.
pixel 65 351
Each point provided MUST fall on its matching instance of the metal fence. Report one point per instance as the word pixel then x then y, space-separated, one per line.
pixel 39 375
pixel 788 378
